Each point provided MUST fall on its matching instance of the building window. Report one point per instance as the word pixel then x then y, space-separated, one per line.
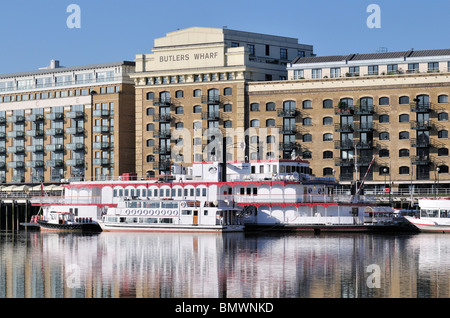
pixel 383 101
pixel 234 44
pixel 403 153
pixel 442 152
pixel 150 158
pixel 316 73
pixel 254 107
pixel 197 93
pixel 228 91
pixel 384 136
pixel 307 155
pixel 270 123
pixel 443 134
pixel 392 68
pixel 307 121
pixel 413 67
pixel 327 154
pixel 197 109
pixel 179 94
pixel 442 116
pixel 383 119
pixel 150 127
pixel 373 69
pixel 404 118
pixel 327 172
pixel 227 108
pixel 327 103
pixel 251 49
pixel 327 137
pixel 254 123
pixel 150 111
pixel 335 72
pixel 150 142
pixel 307 104
pixel 179 110
pixel 353 71
pixel 403 170
pixel 327 121
pixel 228 124
pixel 443 99
pixel 267 50
pixel 443 169
pixel 270 106
pixel 283 54
pixel 270 139
pixel 433 67
pixel 403 100
pixel 179 125
pixel 307 138
pixel 299 74
pixel 301 53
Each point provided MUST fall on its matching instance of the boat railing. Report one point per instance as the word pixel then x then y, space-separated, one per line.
pixel 294 198
pixel 58 200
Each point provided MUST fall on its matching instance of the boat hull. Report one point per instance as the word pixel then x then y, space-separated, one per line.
pixel 429 225
pixel 328 228
pixel 73 227
pixel 106 227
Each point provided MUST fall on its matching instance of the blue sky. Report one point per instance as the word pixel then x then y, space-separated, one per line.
pixel 35 31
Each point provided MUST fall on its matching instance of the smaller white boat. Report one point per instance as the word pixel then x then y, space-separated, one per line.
pixel 66 221
pixel 172 215
pixel 433 216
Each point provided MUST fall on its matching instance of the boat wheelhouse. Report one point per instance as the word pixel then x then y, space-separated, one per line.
pixel 433 216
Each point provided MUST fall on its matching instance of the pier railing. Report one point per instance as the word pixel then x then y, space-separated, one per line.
pixel 59 200
pixel 294 198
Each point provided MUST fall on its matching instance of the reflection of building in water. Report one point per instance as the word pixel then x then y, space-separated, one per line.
pixel 112 265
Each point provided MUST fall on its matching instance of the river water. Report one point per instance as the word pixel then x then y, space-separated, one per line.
pixel 239 265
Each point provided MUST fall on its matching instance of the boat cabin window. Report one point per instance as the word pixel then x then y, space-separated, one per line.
pixel 445 214
pixel 428 213
pixel 186 212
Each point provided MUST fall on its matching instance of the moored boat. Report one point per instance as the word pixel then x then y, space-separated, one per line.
pixel 66 221
pixel 433 216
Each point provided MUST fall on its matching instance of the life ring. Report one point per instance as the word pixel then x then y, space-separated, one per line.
pixel 139 212
pixel 310 190
pixel 127 212
pixel 156 212
pixel 133 212
pixel 183 204
pixel 319 191
pixel 145 212
pixel 150 212
pixel 163 212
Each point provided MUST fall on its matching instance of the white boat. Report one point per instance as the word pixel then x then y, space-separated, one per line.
pixel 433 216
pixel 279 194
pixel 53 220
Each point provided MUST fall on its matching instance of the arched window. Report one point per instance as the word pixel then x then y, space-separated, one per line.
pixel 307 155
pixel 403 100
pixel 227 124
pixel 179 94
pixel 383 119
pixel 150 111
pixel 327 121
pixel 307 121
pixel 197 93
pixel 270 106
pixel 270 139
pixel 307 104
pixel 384 136
pixel 150 96
pixel 150 127
pixel 179 125
pixel 403 135
pixel 403 153
pixel 366 101
pixel 254 123
pixel 442 116
pixel 442 152
pixel 403 118
pixel 307 138
pixel 384 153
pixel 150 158
pixel 443 99
pixel 383 101
pixel 327 154
pixel 443 169
pixel 403 170
pixel 443 133
pixel 327 103
pixel 197 109
pixel 254 107
pixel 327 172
pixel 327 137
pixel 179 110
pixel 270 122
pixel 228 91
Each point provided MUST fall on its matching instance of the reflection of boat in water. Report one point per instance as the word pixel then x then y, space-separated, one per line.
pixel 66 221
pixel 172 215
pixel 433 216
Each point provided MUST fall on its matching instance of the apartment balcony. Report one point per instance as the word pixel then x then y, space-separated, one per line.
pixel 343 127
pixel 211 115
pixel 16 164
pixel 343 144
pixel 346 177
pixel 363 161
pixel 364 109
pixel 2 135
pixel 16 119
pixel 101 162
pixel 55 163
pixel 2 150
pixel 75 115
pixel 2 120
pixel 75 131
pixel 55 147
pixel 16 149
pixel 162 165
pixel 2 165
pixel 368 144
pixel 18 179
pixel 16 134
pixel 162 118
pixel 420 142
pixel 289 146
pixel 162 101
pixel 75 162
pixel 421 107
pixel 101 129
pixel 161 133
pixel 287 112
pixel 364 126
pixel 34 117
pixel 55 116
pixel 101 145
pixel 162 150
pixel 420 160
pixel 343 109
pixel 344 162
pixel 101 113
pixel 422 125
pixel 211 99
pixel 288 129
pixel 35 133
pixel 54 131
pixel 35 163
pixel 37 148
pixel 75 146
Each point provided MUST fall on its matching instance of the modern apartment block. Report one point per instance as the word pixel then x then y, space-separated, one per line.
pixel 195 81
pixel 61 123
pixel 381 117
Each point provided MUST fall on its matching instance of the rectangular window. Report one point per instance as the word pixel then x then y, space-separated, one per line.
pixel 391 68
pixel 433 67
pixel 335 72
pixel 413 67
pixel 373 69
pixel 251 49
pixel 267 50
pixel 317 73
pixel 283 54
pixel 353 70
pixel 298 74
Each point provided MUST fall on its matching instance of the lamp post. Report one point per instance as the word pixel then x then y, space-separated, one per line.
pixel 385 174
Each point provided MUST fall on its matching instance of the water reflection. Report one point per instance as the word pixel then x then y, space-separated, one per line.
pixel 155 265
